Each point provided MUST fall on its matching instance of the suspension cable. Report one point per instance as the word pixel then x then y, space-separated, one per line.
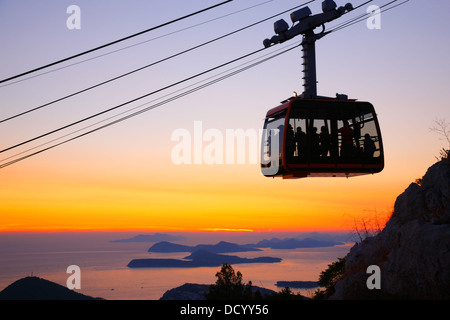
pixel 114 42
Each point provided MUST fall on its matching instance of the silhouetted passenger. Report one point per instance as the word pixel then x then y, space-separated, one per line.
pixel 324 138
pixel 347 140
pixel 369 146
pixel 290 141
pixel 300 138
pixel 314 142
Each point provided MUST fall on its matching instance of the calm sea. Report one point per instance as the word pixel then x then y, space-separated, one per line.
pixel 104 271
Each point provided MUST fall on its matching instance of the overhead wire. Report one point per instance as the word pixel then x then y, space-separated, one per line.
pixel 114 42
pixel 148 65
pixel 354 9
pixel 240 67
pixel 364 16
pixel 5 164
pixel 190 91
pixel 137 44
pixel 133 100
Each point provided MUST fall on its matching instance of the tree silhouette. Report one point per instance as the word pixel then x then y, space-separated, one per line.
pixel 329 278
pixel 229 285
pixel 442 128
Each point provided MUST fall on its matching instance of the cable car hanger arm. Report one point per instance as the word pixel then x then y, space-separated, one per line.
pixel 306 22
pixel 305 26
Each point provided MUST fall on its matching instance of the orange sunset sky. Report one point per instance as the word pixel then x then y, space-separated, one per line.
pixel 123 178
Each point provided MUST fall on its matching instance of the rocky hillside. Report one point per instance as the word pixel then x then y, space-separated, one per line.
pixel 412 251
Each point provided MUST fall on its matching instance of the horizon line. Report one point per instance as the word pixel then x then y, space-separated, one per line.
pixel 168 230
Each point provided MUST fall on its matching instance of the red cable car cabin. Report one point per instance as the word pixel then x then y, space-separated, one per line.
pixel 321 137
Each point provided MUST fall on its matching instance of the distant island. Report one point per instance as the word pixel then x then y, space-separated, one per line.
pixel 295 243
pixel 221 247
pixel 151 238
pixel 207 255
pixel 199 258
pixel 228 247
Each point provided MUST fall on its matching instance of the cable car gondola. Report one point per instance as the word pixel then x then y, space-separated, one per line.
pixel 313 136
pixel 321 137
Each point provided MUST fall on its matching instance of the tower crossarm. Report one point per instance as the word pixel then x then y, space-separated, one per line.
pixel 304 22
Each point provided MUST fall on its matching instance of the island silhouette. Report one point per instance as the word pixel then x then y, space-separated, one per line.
pixel 207 255
pixel 199 258
pixel 221 247
pixel 228 247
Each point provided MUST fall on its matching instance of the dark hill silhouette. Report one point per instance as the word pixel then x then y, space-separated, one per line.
pixel 412 252
pixel 34 288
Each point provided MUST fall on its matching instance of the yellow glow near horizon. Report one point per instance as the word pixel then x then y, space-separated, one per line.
pixel 189 198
